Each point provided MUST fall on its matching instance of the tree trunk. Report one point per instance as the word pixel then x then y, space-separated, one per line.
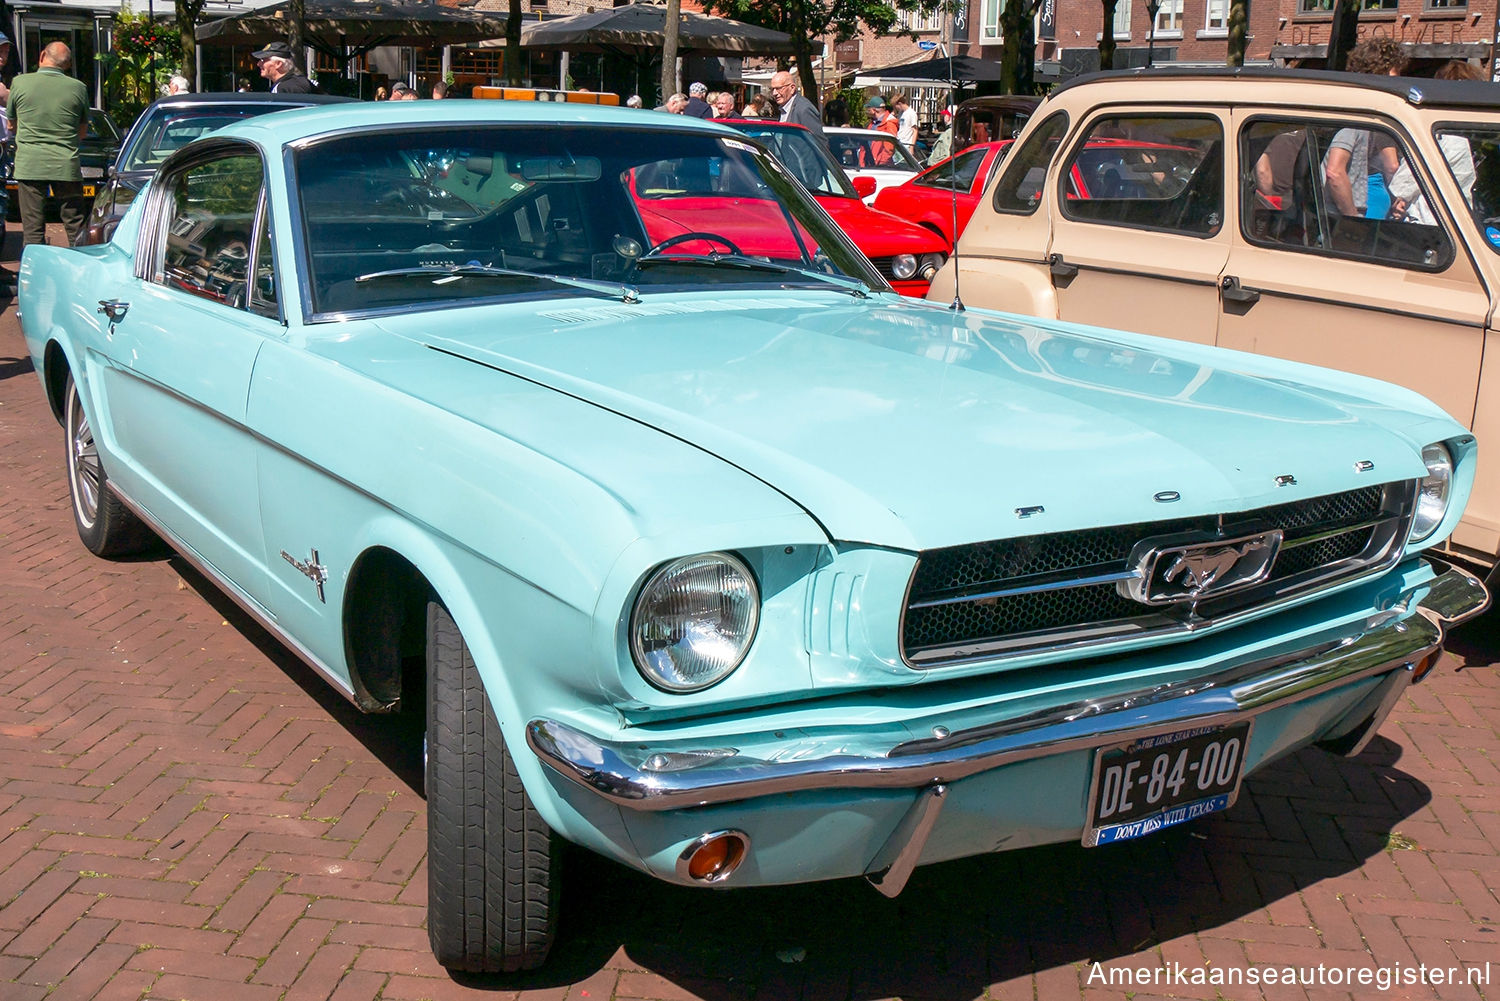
pixel 514 70
pixel 187 19
pixel 669 49
pixel 1014 18
pixel 295 25
pixel 1239 31
pixel 1107 36
pixel 1343 33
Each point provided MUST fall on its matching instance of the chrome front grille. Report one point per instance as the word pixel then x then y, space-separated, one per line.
pixel 1015 595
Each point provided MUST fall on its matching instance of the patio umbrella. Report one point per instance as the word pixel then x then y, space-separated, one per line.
pixel 638 29
pixel 964 70
pixel 342 28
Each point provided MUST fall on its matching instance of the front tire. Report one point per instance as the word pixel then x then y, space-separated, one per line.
pixel 106 526
pixel 491 860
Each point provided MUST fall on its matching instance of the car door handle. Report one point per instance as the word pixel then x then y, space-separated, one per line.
pixel 1061 270
pixel 115 309
pixel 1234 292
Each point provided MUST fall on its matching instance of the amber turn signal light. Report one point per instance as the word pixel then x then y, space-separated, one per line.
pixel 713 857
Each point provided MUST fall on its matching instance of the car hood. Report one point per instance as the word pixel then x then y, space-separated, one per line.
pixel 880 234
pixel 904 425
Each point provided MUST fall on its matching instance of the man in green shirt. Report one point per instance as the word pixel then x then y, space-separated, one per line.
pixel 48 114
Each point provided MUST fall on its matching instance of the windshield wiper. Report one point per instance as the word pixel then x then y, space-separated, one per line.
pixel 443 273
pixel 853 286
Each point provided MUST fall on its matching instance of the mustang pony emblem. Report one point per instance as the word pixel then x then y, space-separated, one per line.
pixel 1189 571
pixel 1201 568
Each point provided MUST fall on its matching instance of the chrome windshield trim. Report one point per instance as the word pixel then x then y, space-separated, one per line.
pixel 1389 640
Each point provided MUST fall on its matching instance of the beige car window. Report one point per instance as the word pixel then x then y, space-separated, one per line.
pixel 1148 172
pixel 1337 189
pixel 1472 155
pixel 212 209
pixel 1019 190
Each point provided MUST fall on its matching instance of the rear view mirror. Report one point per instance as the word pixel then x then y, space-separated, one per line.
pixel 561 168
pixel 864 186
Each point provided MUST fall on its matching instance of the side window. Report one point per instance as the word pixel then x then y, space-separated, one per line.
pixel 1472 155
pixel 210 212
pixel 1338 189
pixel 1019 190
pixel 263 295
pixel 1148 172
pixel 957 174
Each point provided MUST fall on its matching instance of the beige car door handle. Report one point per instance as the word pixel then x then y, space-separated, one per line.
pixel 1235 293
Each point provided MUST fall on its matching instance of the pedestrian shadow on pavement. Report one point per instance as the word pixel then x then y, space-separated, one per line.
pixel 960 926
pixel 12 367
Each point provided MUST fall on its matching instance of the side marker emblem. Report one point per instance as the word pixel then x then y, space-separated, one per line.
pixel 312 570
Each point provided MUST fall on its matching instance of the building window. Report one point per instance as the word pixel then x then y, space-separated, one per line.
pixel 1445 4
pixel 1169 17
pixel 989 25
pixel 1326 6
pixel 1122 19
pixel 1216 16
pixel 914 20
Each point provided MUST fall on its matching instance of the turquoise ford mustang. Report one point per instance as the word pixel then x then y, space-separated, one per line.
pixel 710 552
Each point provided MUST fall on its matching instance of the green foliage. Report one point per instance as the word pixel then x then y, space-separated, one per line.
pixel 809 21
pixel 139 44
pixel 854 100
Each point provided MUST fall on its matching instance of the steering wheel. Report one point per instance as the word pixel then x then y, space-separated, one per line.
pixel 673 241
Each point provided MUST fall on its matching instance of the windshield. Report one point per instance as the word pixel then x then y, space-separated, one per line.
pixel 956 173
pixel 101 128
pixel 401 218
pixel 1472 153
pixel 170 129
pixel 870 151
pixel 804 155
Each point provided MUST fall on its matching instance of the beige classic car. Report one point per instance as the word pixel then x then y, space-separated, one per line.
pixel 1345 220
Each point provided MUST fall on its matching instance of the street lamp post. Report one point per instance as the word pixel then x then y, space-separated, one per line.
pixel 1152 6
pixel 151 23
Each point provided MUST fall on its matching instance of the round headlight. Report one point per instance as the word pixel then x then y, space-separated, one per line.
pixel 903 266
pixel 1433 493
pixel 693 622
pixel 931 265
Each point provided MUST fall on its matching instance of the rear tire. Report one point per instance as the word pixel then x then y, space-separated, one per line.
pixel 491 860
pixel 106 526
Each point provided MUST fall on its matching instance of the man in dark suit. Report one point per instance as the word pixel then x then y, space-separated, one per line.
pixel 697 107
pixel 794 107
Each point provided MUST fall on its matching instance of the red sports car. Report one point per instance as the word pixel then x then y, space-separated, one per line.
pixel 952 187
pixel 906 254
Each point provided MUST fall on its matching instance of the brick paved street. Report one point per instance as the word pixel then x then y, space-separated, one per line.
pixel 187 812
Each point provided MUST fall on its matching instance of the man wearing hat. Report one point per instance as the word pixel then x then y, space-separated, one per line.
pixel 277 66
pixel 48 112
pixel 697 106
pixel 881 120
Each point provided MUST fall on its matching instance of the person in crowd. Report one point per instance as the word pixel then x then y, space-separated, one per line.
pixel 439 91
pixel 178 84
pixel 942 146
pixel 1407 200
pixel 696 106
pixel 836 113
pixel 634 101
pixel 906 121
pixel 381 94
pixel 1275 169
pixel 881 120
pixel 278 66
pixel 756 108
pixel 48 114
pixel 794 107
pixel 1359 162
pixel 676 104
pixel 723 105
pixel 401 91
pixel 244 87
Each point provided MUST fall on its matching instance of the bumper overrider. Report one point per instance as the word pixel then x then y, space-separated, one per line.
pixel 1334 687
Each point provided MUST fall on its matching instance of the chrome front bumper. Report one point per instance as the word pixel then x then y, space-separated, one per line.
pixel 672 776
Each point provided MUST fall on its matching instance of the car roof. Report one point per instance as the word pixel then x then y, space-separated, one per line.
pixel 247 97
pixel 1417 91
pixel 305 123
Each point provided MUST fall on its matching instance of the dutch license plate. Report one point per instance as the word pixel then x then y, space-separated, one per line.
pixel 1152 783
pixel 88 191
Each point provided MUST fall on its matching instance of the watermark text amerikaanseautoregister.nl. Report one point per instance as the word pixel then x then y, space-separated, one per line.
pixel 1382 978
